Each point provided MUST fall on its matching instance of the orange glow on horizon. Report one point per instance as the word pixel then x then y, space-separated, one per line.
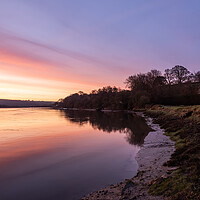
pixel 22 78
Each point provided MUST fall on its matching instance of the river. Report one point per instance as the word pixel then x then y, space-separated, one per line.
pixel 49 154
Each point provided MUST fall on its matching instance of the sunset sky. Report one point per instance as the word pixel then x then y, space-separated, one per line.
pixel 52 48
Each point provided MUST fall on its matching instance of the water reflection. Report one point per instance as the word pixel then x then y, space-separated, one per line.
pixel 52 154
pixel 133 125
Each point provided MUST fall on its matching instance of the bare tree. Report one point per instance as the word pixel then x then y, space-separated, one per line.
pixel 180 74
pixel 168 76
pixel 154 73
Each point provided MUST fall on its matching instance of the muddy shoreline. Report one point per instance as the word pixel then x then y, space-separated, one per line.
pixel 156 150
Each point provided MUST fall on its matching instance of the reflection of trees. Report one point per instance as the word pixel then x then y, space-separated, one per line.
pixel 132 125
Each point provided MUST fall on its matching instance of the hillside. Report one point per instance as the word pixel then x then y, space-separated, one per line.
pixel 6 103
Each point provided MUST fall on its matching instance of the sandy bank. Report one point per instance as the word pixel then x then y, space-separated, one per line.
pixel 156 150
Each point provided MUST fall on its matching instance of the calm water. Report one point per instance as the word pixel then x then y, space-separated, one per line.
pixel 52 154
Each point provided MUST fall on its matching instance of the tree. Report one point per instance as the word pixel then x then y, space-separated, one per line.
pixel 152 78
pixel 145 82
pixel 81 93
pixel 197 76
pixel 154 73
pixel 159 81
pixel 168 76
pixel 180 74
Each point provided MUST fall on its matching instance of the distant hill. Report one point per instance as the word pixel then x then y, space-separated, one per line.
pixel 6 103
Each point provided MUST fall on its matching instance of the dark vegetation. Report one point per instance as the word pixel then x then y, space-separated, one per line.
pixel 182 124
pixel 105 98
pixel 177 86
pixel 132 125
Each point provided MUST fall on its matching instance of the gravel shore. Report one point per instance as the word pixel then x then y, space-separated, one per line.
pixel 156 150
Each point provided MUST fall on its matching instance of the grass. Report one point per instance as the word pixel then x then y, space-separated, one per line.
pixel 175 136
pixel 185 131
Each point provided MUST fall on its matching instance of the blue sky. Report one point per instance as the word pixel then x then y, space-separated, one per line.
pixel 65 46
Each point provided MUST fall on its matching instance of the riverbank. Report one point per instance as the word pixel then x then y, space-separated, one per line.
pixel 182 124
pixel 156 150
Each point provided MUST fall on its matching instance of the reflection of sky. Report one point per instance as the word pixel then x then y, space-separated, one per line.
pixel 49 49
pixel 43 155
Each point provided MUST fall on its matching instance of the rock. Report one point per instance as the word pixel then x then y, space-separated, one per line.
pixel 164 176
pixel 105 192
pixel 129 184
pixel 172 169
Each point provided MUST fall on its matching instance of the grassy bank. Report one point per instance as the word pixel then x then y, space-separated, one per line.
pixel 182 124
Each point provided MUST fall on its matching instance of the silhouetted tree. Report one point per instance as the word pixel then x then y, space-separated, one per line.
pixel 104 98
pixel 175 87
pixel 180 74
pixel 168 76
pixel 197 76
pixel 159 81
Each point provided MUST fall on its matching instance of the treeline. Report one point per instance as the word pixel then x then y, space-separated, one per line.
pixel 105 98
pixel 176 86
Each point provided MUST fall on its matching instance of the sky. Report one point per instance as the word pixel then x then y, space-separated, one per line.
pixel 50 49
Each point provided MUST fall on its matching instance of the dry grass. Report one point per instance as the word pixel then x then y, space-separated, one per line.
pixel 182 124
